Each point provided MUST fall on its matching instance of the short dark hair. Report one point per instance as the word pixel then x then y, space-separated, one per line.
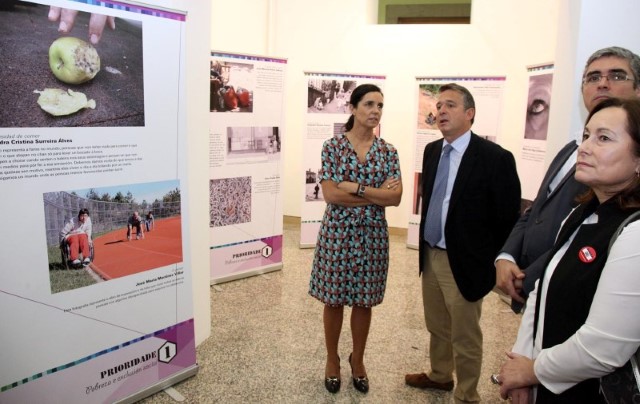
pixel 618 52
pixel 467 97
pixel 630 196
pixel 356 96
pixel 83 211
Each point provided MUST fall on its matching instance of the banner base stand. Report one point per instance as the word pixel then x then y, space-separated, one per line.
pixel 161 385
pixel 247 274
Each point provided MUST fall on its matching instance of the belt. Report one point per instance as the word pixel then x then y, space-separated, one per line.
pixel 435 247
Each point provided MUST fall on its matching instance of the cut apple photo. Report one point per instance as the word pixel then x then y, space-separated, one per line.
pixel 65 67
pixel 73 60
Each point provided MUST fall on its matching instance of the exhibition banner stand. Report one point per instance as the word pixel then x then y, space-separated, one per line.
pixel 487 93
pixel 245 164
pixel 327 110
pixel 95 286
pixel 534 144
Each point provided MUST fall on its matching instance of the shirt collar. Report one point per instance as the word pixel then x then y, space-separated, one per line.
pixel 461 143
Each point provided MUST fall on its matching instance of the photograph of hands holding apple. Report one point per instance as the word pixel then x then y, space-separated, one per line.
pixel 62 67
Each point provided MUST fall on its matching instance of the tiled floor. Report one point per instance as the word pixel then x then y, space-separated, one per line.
pixel 267 342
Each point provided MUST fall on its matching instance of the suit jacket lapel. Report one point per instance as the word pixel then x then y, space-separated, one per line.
pixel 465 170
pixel 569 174
pixel 554 171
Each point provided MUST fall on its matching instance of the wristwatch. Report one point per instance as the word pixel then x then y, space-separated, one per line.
pixel 360 192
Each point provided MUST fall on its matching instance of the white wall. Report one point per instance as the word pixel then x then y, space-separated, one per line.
pixel 338 36
pixel 240 26
pixel 586 27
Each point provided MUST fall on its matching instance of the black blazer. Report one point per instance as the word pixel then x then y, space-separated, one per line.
pixel 484 205
pixel 535 232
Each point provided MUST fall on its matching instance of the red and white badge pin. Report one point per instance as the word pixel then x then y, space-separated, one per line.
pixel 587 254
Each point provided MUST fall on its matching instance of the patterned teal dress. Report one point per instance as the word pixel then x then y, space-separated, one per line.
pixel 351 259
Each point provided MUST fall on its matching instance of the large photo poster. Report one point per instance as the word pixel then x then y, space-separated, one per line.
pixel 534 144
pixel 327 110
pixel 246 140
pixel 95 284
pixel 487 93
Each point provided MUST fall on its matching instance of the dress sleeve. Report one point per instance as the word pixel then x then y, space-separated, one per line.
pixel 611 333
pixel 330 161
pixel 393 162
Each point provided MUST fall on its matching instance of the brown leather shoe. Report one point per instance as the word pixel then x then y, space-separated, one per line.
pixel 422 381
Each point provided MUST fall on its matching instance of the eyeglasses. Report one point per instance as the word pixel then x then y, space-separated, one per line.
pixel 613 77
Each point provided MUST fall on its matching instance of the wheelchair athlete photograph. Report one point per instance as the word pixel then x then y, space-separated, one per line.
pixel 76 245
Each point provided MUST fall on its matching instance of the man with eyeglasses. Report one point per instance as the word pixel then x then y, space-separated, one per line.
pixel 609 72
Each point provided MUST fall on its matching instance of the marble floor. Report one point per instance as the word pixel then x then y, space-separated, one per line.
pixel 267 342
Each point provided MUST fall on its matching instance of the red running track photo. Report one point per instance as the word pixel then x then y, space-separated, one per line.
pixel 115 256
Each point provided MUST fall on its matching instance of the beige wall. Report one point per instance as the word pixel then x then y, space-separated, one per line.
pixel 585 27
pixel 504 38
pixel 339 36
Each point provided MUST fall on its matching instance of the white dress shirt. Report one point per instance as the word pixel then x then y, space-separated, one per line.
pixel 611 333
pixel 458 147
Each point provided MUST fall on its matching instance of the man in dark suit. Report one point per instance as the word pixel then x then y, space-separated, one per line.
pixel 533 236
pixel 471 200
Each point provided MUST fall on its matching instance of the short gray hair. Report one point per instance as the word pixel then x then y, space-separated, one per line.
pixel 618 52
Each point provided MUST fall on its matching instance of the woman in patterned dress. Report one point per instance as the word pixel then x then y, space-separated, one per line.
pixel 360 176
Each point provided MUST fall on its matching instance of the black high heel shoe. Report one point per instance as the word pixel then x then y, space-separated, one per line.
pixel 360 383
pixel 332 383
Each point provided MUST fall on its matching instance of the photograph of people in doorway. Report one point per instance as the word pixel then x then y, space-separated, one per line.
pixel 312 188
pixel 329 96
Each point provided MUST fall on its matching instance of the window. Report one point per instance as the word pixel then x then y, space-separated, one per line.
pixel 424 12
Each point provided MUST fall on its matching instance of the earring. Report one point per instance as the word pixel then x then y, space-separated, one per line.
pixel 637 172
